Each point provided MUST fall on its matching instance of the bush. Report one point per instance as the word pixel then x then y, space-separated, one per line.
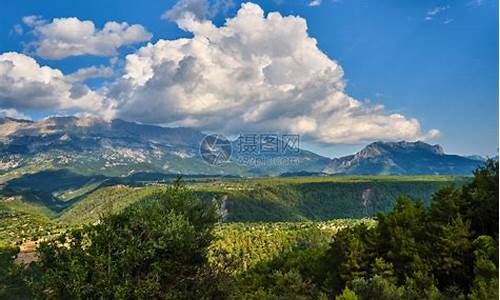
pixel 154 249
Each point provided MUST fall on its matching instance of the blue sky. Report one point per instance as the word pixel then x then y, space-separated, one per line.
pixel 435 61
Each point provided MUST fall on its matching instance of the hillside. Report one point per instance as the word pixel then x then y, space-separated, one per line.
pixel 20 221
pixel 102 202
pixel 321 198
pixel 280 199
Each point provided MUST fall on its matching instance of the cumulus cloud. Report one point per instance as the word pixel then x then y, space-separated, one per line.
pixel 24 84
pixel 90 72
pixel 198 9
pixel 65 37
pixel 193 8
pixel 254 73
pixel 33 21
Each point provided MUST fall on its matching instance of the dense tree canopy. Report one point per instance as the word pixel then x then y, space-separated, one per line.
pixel 415 252
pixel 446 251
pixel 169 246
pixel 155 249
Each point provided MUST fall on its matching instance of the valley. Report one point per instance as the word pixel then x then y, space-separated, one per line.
pixel 48 201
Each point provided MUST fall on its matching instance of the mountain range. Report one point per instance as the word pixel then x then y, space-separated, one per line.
pixel 93 146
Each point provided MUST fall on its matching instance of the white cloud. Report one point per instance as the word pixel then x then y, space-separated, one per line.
pixel 199 9
pixel 12 113
pixel 255 73
pixel 65 37
pixel 24 84
pixel 431 13
pixel 183 8
pixel 90 72
pixel 33 21
pixel 448 21
pixel 314 3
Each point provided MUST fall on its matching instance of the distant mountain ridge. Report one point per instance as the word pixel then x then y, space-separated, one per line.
pixel 402 158
pixel 89 145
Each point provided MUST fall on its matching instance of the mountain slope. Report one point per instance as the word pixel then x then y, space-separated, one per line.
pixel 402 158
pixel 91 146
pixel 94 146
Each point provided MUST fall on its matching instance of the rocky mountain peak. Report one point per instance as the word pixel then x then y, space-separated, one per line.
pixel 402 158
pixel 379 148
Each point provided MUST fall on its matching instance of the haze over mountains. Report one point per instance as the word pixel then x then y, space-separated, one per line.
pixel 88 145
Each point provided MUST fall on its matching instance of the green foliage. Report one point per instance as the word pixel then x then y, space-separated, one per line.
pixel 275 260
pixel 83 199
pixel 485 269
pixel 399 237
pixel 150 243
pixel 325 199
pixel 105 201
pixel 347 294
pixel 376 288
pixel 153 249
pixel 421 285
pixel 241 246
pixel 348 257
pixel 12 285
pixel 481 200
pixel 287 276
pixel 20 222
pixel 279 285
pixel 416 252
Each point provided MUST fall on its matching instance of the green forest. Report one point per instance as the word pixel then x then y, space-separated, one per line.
pixel 170 243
